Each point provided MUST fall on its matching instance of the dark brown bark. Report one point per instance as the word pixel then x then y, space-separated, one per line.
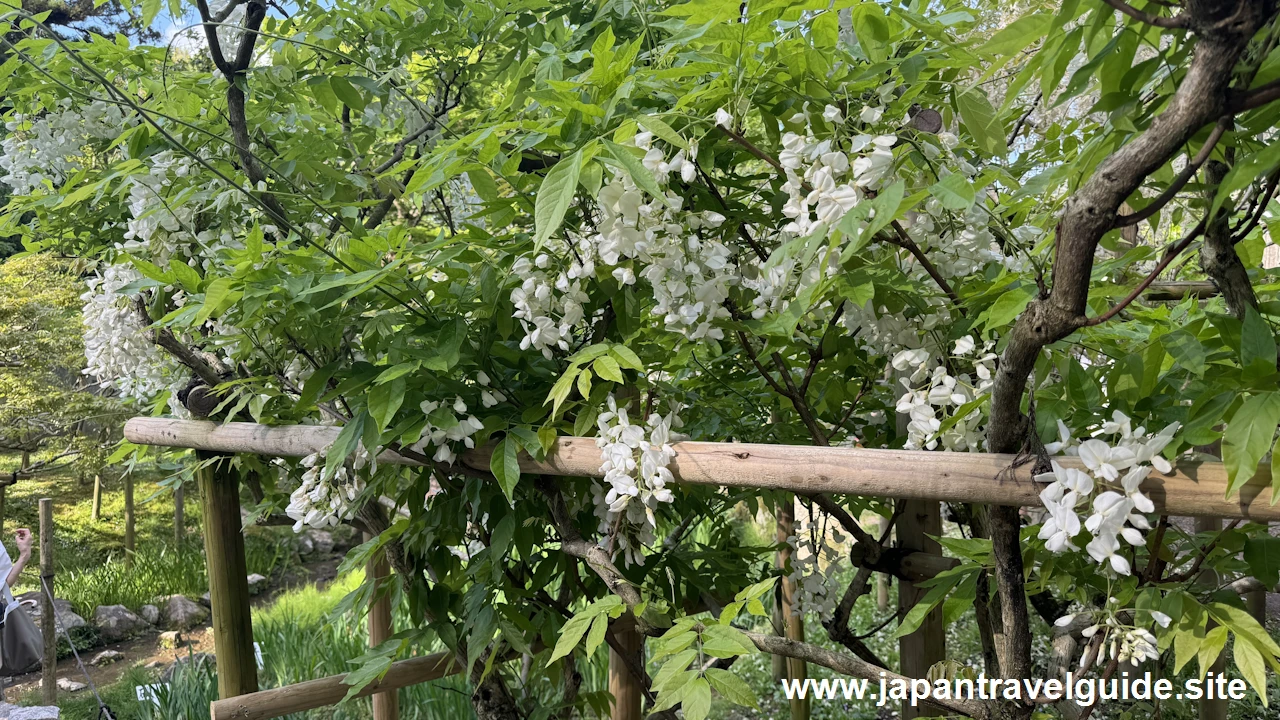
pixel 1218 255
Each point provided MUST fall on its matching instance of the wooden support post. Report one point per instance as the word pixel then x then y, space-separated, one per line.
pixel 1256 602
pixel 228 584
pixel 179 516
pixel 627 692
pixel 1217 708
pixel 386 705
pixel 926 646
pixel 793 623
pixel 129 537
pixel 2 490
pixel 48 616
pixel 95 512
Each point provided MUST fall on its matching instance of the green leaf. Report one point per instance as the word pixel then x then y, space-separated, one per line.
pixel 1186 349
pixel 607 368
pixel 638 172
pixel 1263 556
pixel 1009 305
pixel 347 93
pixel 955 192
pixel 554 197
pixel 1018 34
pixel 981 121
pixel 217 298
pixel 697 702
pixel 1257 345
pixel 384 400
pixel 885 208
pixel 657 126
pixel 1210 648
pixel 595 636
pixel 504 463
pixel 725 641
pixel 626 358
pixel 150 9
pixel 1240 622
pixel 1252 668
pixel 1248 437
pixel 584 384
pixel 732 687
pixel 571 633
pixel 872 30
pixel 1246 171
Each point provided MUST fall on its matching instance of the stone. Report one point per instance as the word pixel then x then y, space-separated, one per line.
pixel 257 583
pixel 155 663
pixel 180 613
pixel 322 540
pixel 69 685
pixel 106 657
pixel 170 640
pixel 117 622
pixel 305 544
pixel 31 712
pixel 63 615
pixel 205 601
pixel 195 659
pixel 150 613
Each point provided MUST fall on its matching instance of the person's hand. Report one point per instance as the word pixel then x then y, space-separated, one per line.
pixel 23 538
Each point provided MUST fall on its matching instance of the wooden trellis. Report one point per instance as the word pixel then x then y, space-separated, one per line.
pixel 1193 489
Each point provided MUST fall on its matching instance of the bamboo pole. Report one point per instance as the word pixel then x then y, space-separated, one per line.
pixel 882 580
pixel 179 515
pixel 323 692
pixel 228 583
pixel 95 512
pixel 386 705
pixel 792 621
pixel 627 692
pixel 1195 488
pixel 129 535
pixel 49 617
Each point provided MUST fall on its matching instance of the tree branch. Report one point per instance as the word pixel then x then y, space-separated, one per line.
pixel 1176 22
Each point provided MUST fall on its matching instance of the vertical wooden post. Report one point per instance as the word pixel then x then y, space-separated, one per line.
pixel 1217 708
pixel 179 516
pixel 49 617
pixel 386 705
pixel 628 695
pixel 2 490
pixel 1256 603
pixel 95 512
pixel 920 650
pixel 129 536
pixel 793 623
pixel 228 584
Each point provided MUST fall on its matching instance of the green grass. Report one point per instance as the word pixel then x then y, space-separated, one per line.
pixel 301 640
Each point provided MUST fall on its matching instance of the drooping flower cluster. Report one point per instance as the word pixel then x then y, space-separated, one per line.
pixel 817 562
pixel 324 498
pixel 1124 641
pixel 52 146
pixel 932 394
pixel 547 310
pixel 833 180
pixel 447 424
pixel 1118 468
pixel 117 351
pixel 635 478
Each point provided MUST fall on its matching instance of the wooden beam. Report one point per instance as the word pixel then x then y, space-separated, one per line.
pixel 49 616
pixel 228 582
pixel 323 692
pixel 1196 489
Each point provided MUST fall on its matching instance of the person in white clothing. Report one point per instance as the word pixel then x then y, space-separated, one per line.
pixel 11 571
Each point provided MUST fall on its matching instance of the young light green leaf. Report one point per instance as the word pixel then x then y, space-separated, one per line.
pixel 570 634
pixel 607 368
pixel 697 702
pixel 638 172
pixel 982 122
pixel 1251 665
pixel 732 687
pixel 1248 437
pixel 504 463
pixel 554 197
pixel 954 191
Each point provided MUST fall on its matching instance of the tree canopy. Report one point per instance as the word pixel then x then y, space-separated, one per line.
pixel 930 225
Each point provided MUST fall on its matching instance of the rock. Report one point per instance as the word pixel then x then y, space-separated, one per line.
pixel 322 540
pixel 170 640
pixel 106 657
pixel 205 601
pixel 62 613
pixel 155 663
pixel 257 583
pixel 194 659
pixel 180 613
pixel 116 622
pixel 305 544
pixel 34 712
pixel 150 613
pixel 70 685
